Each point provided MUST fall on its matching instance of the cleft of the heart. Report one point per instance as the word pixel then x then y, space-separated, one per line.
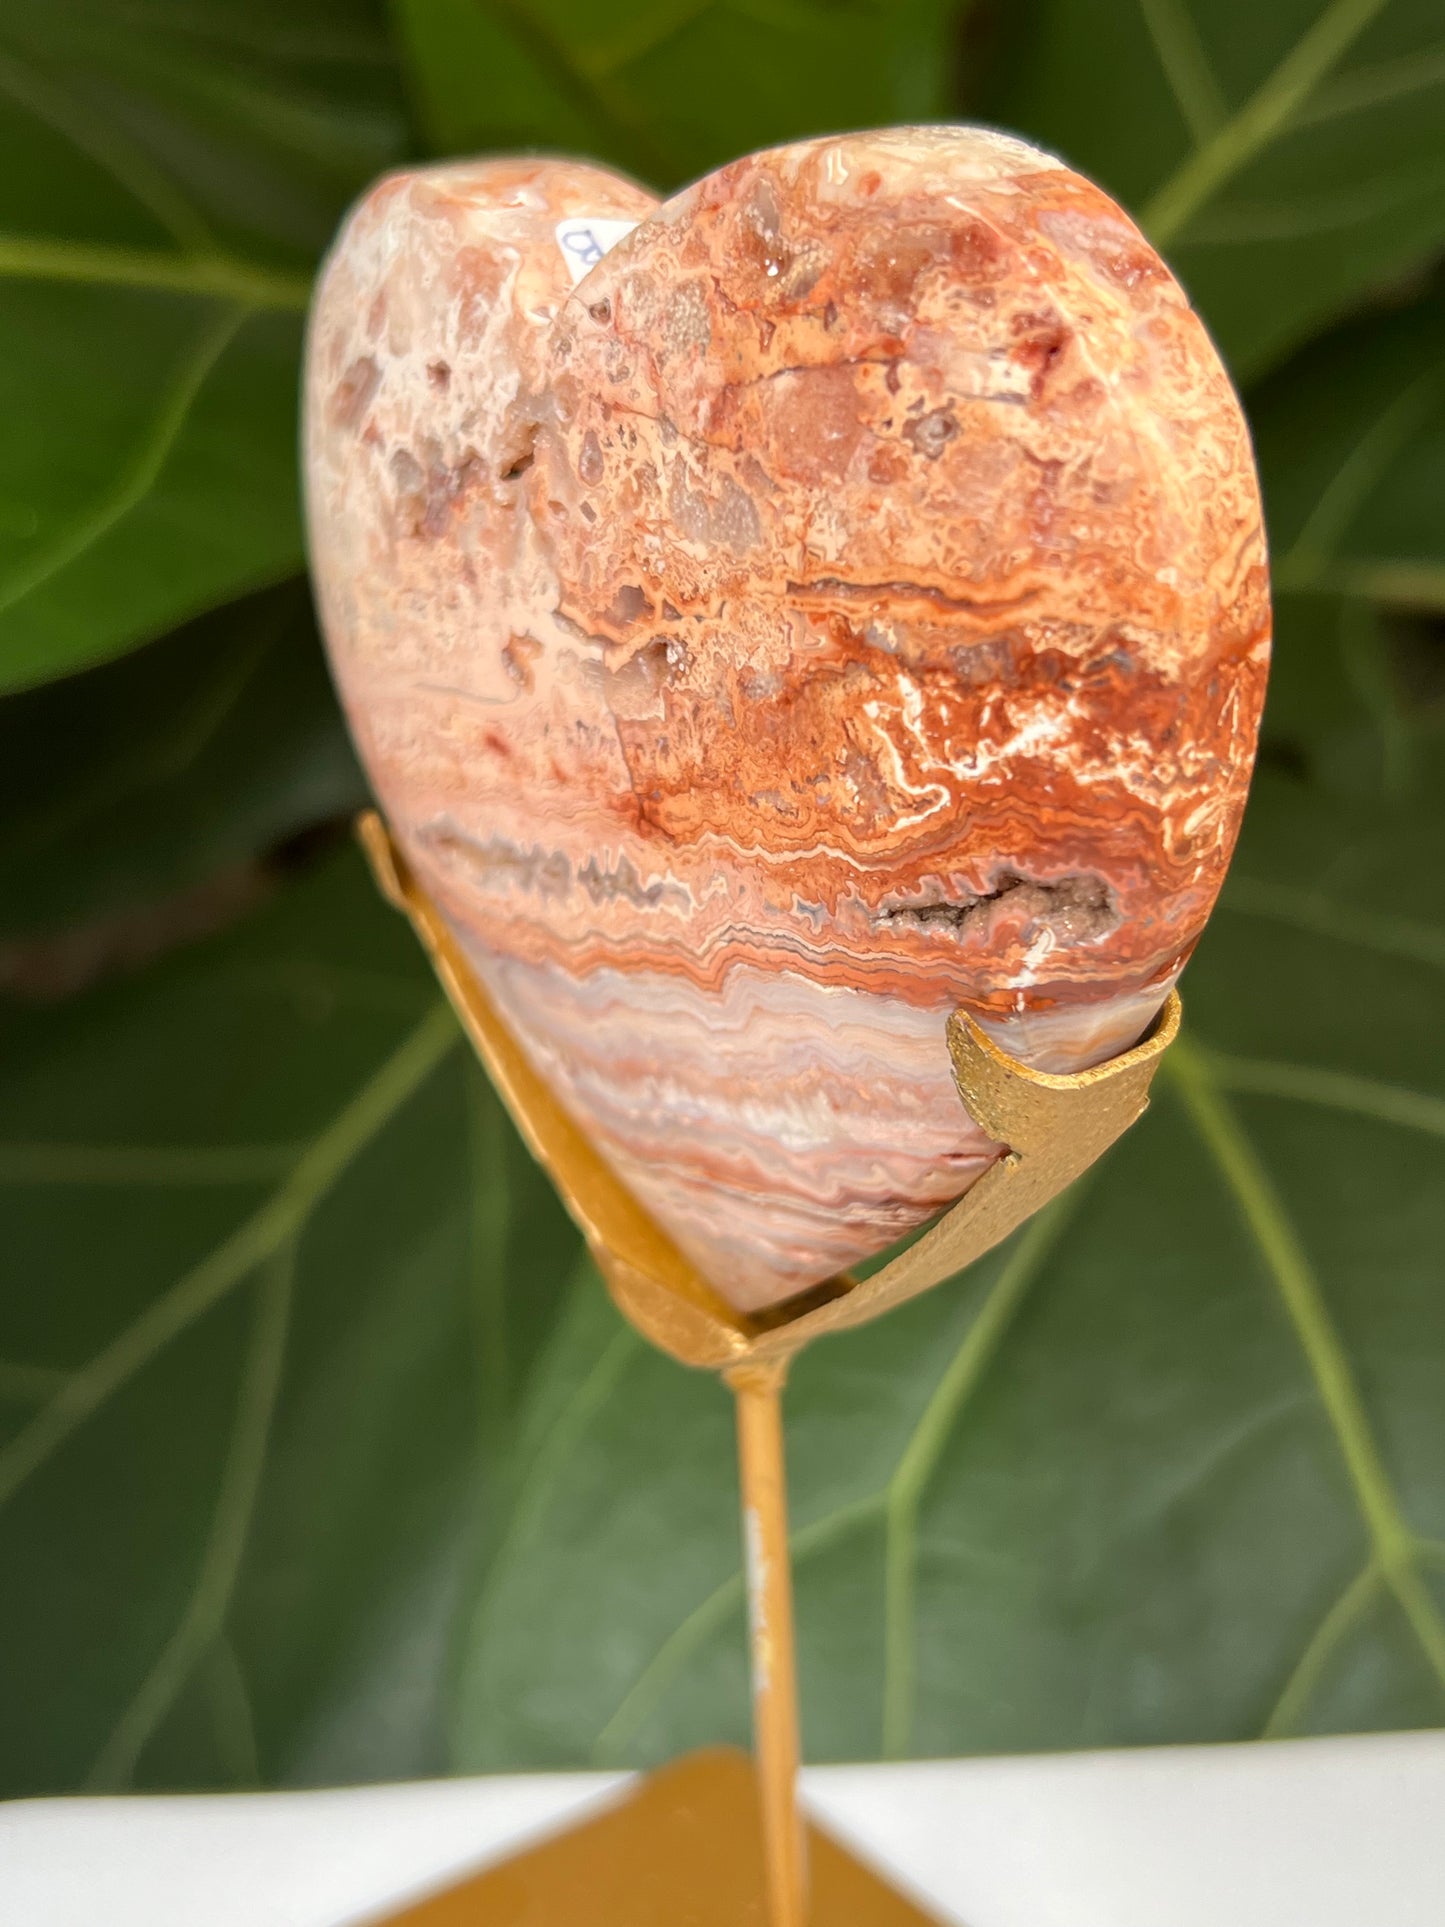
pixel 776 617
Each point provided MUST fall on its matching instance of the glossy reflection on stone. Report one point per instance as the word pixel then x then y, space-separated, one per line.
pixel 846 602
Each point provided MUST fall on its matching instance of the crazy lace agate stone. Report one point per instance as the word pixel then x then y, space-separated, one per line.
pixel 846 603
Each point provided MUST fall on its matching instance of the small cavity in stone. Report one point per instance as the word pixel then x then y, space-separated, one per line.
pixel 1076 909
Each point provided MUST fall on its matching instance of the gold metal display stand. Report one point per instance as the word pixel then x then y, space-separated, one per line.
pixel 683 1849
pixel 1053 1127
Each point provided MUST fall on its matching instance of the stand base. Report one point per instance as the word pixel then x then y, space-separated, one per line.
pixel 684 1849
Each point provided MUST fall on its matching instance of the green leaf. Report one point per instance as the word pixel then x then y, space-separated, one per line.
pixel 149 777
pixel 300 1402
pixel 166 183
pixel 1167 1468
pixel 256 1208
pixel 320 1456
pixel 670 88
pixel 1351 440
pixel 1341 706
pixel 1288 158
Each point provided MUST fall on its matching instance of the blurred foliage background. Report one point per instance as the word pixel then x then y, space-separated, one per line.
pixel 322 1454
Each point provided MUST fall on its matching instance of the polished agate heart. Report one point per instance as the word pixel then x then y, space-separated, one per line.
pixel 845 603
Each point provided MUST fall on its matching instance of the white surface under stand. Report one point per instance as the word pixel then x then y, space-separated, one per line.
pixel 1309 1833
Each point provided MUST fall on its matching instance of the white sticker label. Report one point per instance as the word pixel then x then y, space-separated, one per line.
pixel 586 238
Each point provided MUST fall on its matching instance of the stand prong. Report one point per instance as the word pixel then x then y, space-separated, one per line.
pixel 1054 1125
pixel 757 1390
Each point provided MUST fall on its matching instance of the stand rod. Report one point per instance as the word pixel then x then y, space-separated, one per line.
pixel 757 1391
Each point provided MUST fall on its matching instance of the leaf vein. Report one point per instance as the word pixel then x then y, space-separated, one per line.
pixel 895 1503
pixel 593 95
pixel 1404 583
pixel 1341 1619
pixel 1334 1090
pixel 1240 223
pixel 143 1164
pixel 562 1436
pixel 1186 67
pixel 1312 911
pixel 233 1719
pixel 213 274
pixel 1340 500
pixel 132 171
pixel 1268 1223
pixel 709 1616
pixel 204 1615
pixel 1267 113
pixel 920 1457
pixel 1373 86
pixel 139 476
pixel 24 1383
pixel 280 1219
